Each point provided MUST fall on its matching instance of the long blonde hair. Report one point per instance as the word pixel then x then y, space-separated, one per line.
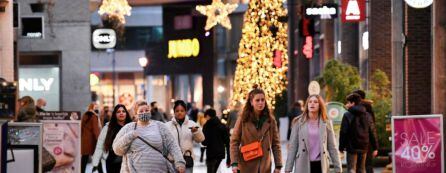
pixel 322 110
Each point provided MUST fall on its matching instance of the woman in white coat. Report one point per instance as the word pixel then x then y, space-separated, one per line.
pixel 184 131
pixel 312 141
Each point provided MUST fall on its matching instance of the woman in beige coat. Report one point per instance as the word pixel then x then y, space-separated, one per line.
pixel 256 122
pixel 312 141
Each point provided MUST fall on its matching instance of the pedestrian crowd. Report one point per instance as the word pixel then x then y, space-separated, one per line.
pixel 145 139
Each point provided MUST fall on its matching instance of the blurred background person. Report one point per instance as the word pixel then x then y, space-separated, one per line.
pixel 216 140
pixel 295 111
pixel 156 114
pixel 105 115
pixel 233 115
pixel 89 135
pixel 40 105
pixel 27 110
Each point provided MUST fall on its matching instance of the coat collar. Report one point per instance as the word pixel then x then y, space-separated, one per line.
pixel 175 122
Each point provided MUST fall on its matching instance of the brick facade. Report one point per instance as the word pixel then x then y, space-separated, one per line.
pixel 349 44
pixel 380 38
pixel 418 54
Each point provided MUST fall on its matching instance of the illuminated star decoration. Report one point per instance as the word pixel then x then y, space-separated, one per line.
pixel 115 8
pixel 217 12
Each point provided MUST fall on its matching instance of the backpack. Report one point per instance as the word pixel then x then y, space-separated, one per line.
pixel 359 131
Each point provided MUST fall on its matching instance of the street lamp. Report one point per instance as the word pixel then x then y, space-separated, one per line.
pixel 143 61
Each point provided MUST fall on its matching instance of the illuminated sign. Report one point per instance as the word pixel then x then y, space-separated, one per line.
pixel 308 47
pixel 419 3
pixel 183 48
pixel 41 82
pixel 104 38
pixel 36 84
pixel 326 11
pixel 353 10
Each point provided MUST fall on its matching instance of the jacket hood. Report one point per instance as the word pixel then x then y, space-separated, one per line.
pixel 357 109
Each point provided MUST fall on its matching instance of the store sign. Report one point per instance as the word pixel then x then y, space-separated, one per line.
pixel 183 48
pixel 419 3
pixel 353 10
pixel 32 27
pixel 417 144
pixel 326 11
pixel 104 38
pixel 41 82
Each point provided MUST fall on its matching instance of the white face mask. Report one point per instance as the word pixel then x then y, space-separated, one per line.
pixel 144 116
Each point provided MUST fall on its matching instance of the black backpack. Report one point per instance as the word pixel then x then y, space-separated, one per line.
pixel 359 132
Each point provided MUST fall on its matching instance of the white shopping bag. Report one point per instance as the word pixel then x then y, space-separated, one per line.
pixel 222 168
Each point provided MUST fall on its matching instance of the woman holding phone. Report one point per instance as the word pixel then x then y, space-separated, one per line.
pixel 185 131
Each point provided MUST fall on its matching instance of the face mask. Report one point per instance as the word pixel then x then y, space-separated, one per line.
pixel 144 117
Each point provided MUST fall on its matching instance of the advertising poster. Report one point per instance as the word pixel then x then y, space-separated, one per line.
pixel 41 82
pixel 59 115
pixel 62 140
pixel 417 144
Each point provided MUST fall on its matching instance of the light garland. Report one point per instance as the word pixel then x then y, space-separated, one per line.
pixel 217 12
pixel 257 52
pixel 115 8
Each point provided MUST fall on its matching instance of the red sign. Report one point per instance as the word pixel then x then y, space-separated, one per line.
pixel 417 144
pixel 277 59
pixel 353 10
pixel 308 47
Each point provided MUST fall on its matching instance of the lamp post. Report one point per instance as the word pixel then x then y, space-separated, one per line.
pixel 143 61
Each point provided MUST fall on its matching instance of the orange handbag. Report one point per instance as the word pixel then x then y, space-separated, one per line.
pixel 252 151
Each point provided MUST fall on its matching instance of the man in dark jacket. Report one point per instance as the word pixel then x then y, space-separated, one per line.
pixel 368 107
pixel 357 134
pixel 156 114
pixel 216 139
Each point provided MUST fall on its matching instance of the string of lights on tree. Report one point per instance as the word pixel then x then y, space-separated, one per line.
pixel 263 58
pixel 115 9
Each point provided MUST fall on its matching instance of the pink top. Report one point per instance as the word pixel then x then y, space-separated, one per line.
pixel 314 140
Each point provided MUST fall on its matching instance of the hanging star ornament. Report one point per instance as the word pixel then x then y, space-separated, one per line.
pixel 217 12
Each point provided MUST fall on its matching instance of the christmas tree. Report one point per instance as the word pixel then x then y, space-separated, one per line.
pixel 263 58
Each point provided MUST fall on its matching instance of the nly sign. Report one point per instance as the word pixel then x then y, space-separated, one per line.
pixel 104 38
pixel 183 48
pixel 353 10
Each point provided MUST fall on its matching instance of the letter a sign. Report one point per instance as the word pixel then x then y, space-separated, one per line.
pixel 353 10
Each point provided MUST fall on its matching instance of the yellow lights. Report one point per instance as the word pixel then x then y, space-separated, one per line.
pixel 258 45
pixel 94 79
pixel 184 48
pixel 217 12
pixel 115 8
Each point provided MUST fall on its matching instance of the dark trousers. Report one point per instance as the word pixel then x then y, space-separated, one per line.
pixel 100 167
pixel 212 165
pixel 84 161
pixel 356 162
pixel 202 149
pixel 315 167
pixel 112 167
pixel 368 162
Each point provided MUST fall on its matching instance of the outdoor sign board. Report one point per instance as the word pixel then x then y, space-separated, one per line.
pixel 324 11
pixel 417 144
pixel 353 10
pixel 25 150
pixel 32 27
pixel 335 112
pixel 62 140
pixel 104 38
pixel 59 115
pixel 41 82
pixel 419 3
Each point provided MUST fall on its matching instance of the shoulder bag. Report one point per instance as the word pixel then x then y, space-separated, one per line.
pixel 253 150
pixel 189 160
pixel 170 165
